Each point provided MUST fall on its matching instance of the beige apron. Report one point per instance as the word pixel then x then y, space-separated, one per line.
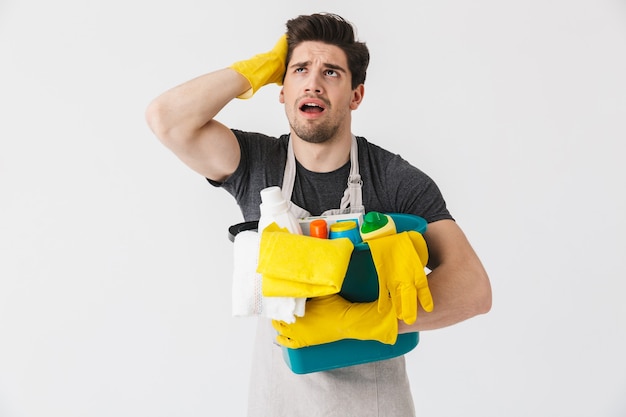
pixel 375 389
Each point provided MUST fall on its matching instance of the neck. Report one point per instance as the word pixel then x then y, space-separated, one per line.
pixel 322 157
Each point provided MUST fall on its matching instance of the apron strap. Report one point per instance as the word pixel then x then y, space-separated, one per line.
pixel 353 196
pixel 289 175
pixel 352 200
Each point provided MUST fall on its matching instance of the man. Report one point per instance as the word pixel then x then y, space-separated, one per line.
pixel 321 67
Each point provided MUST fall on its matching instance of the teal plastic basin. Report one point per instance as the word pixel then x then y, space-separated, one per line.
pixel 360 285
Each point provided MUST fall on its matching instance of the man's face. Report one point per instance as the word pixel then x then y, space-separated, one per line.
pixel 317 92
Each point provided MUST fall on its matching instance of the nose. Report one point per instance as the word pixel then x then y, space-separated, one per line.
pixel 314 83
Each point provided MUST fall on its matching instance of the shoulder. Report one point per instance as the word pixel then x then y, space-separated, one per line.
pixel 260 139
pixel 382 161
pixel 372 153
pixel 258 148
pixel 366 147
pixel 393 184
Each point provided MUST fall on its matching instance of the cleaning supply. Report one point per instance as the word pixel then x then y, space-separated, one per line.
pixel 360 285
pixel 318 228
pixel 301 266
pixel 399 260
pixel 263 69
pixel 345 228
pixel 247 296
pixel 305 222
pixel 275 209
pixel 377 224
pixel 247 299
pixel 332 318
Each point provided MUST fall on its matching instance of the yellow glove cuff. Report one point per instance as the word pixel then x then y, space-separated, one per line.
pixel 263 69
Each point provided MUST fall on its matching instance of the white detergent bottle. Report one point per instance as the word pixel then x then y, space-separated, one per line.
pixel 274 208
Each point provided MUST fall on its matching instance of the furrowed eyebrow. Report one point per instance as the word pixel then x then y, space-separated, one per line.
pixel 335 67
pixel 327 65
pixel 300 64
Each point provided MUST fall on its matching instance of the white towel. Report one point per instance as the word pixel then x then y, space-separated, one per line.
pixel 246 287
pixel 247 298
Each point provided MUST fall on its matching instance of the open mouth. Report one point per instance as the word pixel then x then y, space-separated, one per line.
pixel 311 108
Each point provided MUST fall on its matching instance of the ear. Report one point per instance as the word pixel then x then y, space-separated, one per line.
pixel 281 97
pixel 357 97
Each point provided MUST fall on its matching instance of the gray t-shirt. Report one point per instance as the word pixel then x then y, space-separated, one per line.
pixel 390 185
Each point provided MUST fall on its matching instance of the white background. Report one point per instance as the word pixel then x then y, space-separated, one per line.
pixel 114 259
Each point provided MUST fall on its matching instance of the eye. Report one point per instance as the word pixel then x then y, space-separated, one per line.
pixel 331 73
pixel 300 70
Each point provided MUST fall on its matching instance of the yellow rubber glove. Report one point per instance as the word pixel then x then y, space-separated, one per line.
pixel 301 266
pixel 399 260
pixel 263 69
pixel 332 318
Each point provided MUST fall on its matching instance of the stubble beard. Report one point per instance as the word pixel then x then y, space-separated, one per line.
pixel 314 134
pixel 314 131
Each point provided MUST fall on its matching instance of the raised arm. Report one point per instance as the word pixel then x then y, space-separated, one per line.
pixel 183 117
pixel 458 282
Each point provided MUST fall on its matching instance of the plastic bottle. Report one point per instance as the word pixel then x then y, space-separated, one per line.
pixel 319 228
pixel 274 208
pixel 345 228
pixel 377 224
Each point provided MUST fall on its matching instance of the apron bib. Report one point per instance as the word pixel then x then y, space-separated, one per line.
pixel 352 200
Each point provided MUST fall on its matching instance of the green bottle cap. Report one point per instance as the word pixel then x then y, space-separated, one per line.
pixel 373 221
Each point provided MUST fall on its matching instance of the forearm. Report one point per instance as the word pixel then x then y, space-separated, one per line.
pixel 184 110
pixel 183 117
pixel 458 282
pixel 457 295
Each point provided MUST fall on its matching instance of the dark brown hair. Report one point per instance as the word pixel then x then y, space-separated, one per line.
pixel 334 30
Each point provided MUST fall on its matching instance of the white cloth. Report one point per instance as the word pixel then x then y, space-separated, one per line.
pixel 247 297
pixel 283 308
